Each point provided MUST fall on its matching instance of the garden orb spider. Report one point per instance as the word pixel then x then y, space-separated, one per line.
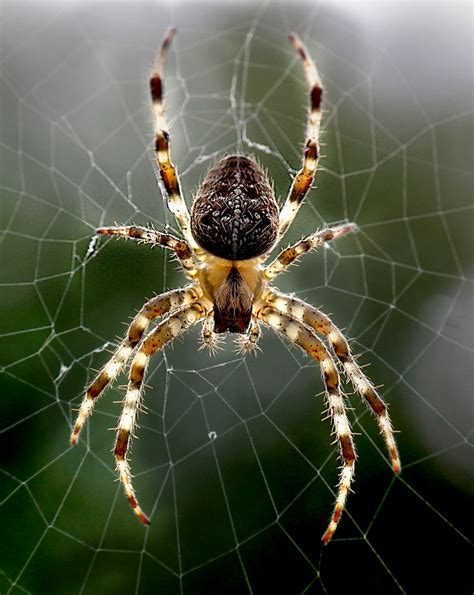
pixel 235 222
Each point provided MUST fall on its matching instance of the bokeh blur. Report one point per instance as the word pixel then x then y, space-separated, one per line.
pixel 234 460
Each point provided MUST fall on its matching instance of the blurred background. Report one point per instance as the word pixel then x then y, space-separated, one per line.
pixel 234 461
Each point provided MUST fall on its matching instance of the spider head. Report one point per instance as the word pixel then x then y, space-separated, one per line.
pixel 235 215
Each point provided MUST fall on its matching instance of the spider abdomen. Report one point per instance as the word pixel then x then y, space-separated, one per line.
pixel 235 215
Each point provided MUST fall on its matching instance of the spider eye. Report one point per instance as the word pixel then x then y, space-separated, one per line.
pixel 235 215
pixel 207 219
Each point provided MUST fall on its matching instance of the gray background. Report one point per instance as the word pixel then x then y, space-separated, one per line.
pixel 233 460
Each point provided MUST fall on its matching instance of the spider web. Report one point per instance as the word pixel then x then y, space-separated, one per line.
pixel 233 460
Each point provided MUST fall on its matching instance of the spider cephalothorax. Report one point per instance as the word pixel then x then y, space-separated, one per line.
pixel 235 222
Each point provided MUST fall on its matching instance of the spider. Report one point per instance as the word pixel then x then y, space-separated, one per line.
pixel 234 224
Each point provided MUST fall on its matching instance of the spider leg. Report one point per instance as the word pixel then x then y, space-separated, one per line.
pixel 150 311
pixel 153 237
pixel 248 343
pixel 168 171
pixel 165 332
pixel 289 255
pixel 305 338
pixel 304 178
pixel 321 323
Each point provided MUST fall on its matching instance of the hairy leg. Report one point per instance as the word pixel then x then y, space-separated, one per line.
pixel 305 338
pixel 304 178
pixel 164 333
pixel 151 310
pixel 289 255
pixel 321 323
pixel 168 173
pixel 153 237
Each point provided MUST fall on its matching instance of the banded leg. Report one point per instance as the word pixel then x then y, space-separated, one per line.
pixel 151 310
pixel 305 338
pixel 304 178
pixel 165 332
pixel 168 171
pixel 210 339
pixel 153 237
pixel 248 343
pixel 321 323
pixel 289 255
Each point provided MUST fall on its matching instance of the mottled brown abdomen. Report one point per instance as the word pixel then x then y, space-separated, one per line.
pixel 235 214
